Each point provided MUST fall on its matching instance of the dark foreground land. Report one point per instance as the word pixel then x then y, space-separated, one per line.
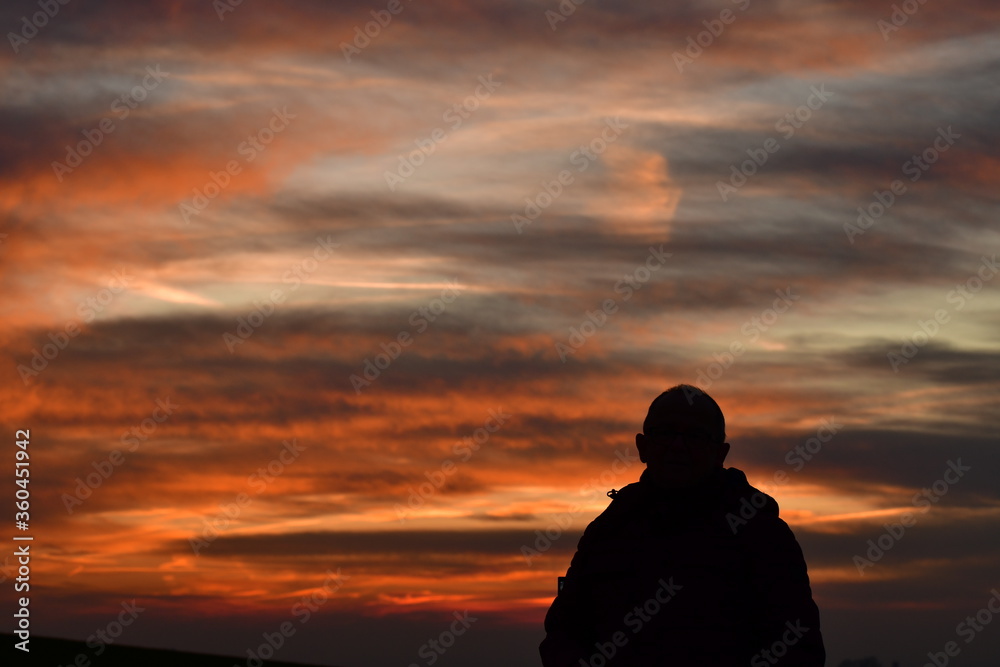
pixel 64 653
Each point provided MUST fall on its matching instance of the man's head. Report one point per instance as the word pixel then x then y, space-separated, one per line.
pixel 683 437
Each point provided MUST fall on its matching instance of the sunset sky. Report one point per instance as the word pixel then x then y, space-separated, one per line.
pixel 394 304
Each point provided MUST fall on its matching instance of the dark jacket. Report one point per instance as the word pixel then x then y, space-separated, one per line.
pixel 705 576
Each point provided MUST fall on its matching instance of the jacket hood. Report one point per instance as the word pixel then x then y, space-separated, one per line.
pixel 728 487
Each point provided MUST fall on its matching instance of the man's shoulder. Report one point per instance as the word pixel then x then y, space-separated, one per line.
pixel 626 494
pixel 729 494
pixel 623 506
pixel 623 500
pixel 739 492
pixel 753 515
pixel 731 487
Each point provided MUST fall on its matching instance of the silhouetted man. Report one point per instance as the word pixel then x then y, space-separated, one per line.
pixel 690 566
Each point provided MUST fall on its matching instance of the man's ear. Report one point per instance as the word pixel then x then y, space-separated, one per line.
pixel 640 444
pixel 723 452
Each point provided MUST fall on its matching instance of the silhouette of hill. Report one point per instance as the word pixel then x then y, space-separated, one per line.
pixel 63 652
